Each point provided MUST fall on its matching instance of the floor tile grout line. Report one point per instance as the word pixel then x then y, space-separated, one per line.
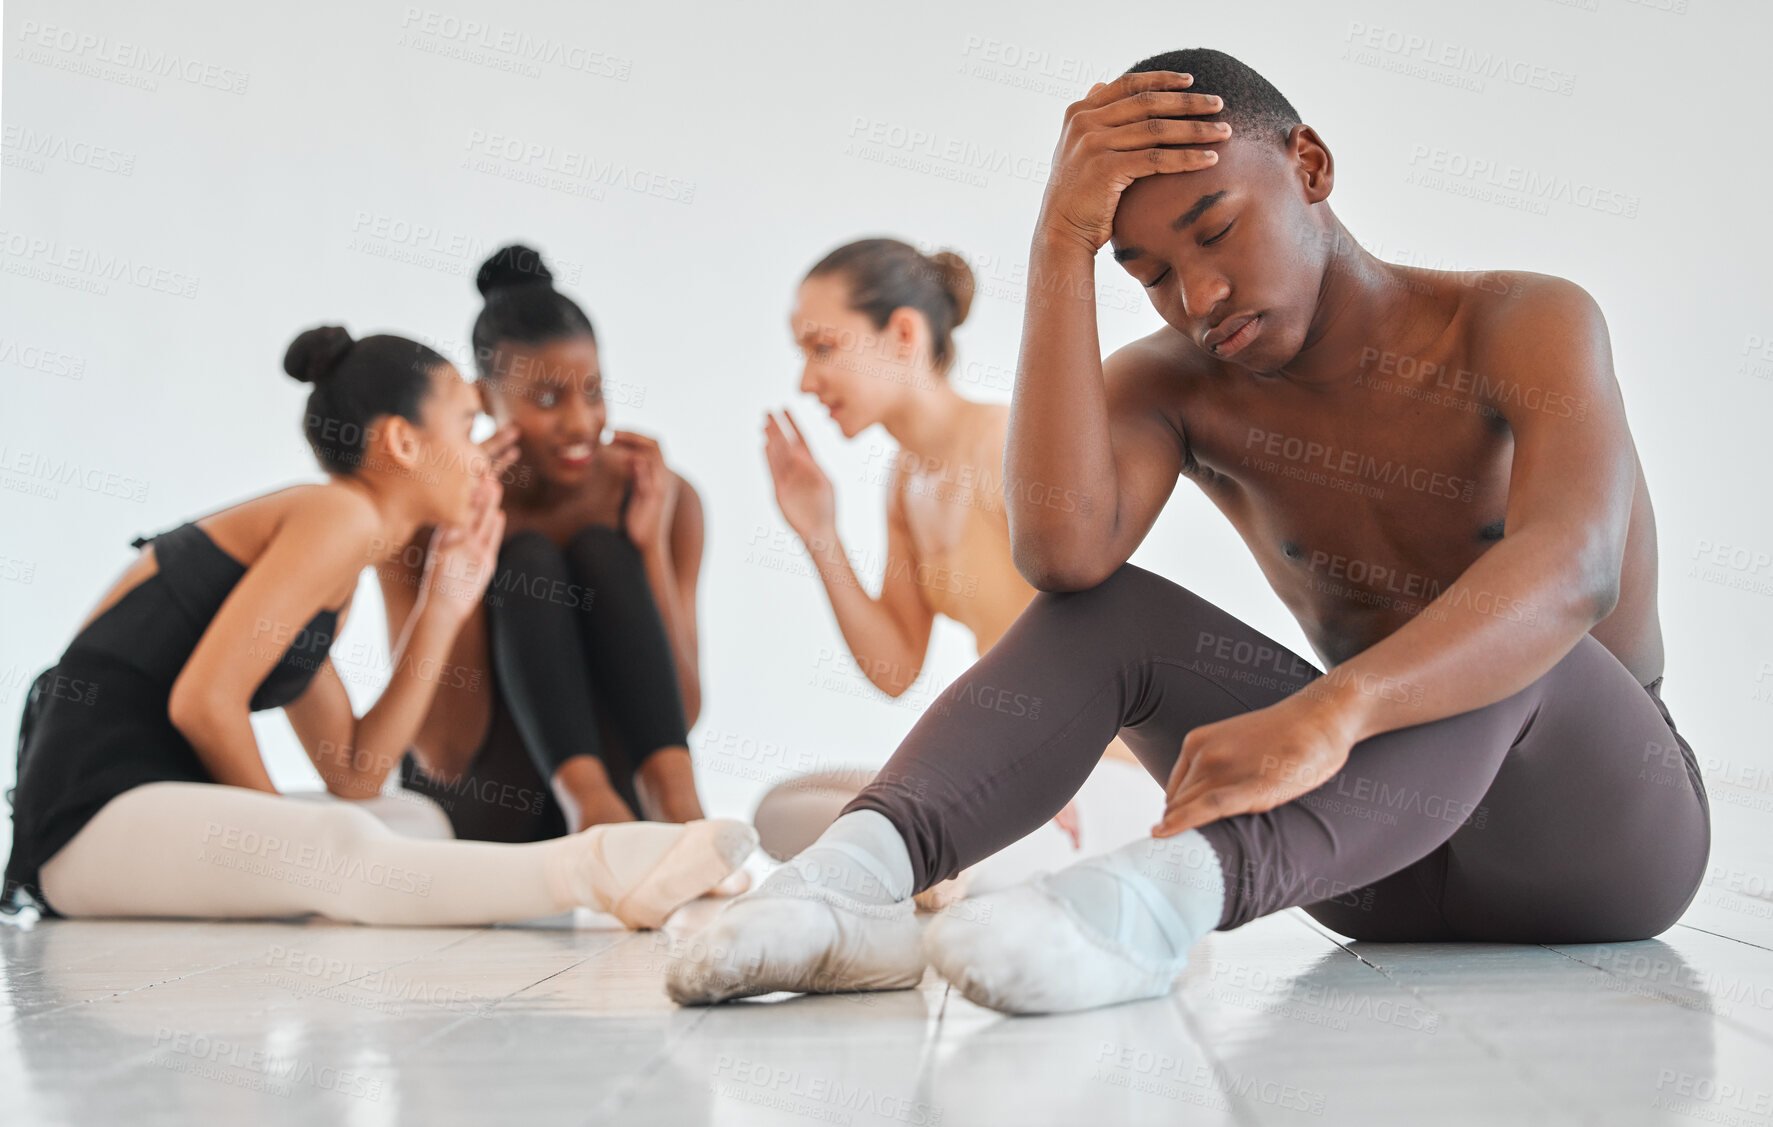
pixel 19 1021
pixel 212 925
pixel 129 1062
pixel 457 941
pixel 1716 1015
pixel 488 1009
pixel 1466 1029
pixel 198 925
pixel 195 925
pixel 1731 938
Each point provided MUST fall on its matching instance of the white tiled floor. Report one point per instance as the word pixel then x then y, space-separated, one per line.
pixel 1276 1022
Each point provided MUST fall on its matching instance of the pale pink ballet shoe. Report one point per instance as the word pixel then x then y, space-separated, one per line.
pixel 709 852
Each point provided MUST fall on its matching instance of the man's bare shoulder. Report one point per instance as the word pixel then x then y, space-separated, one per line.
pixel 1541 316
pixel 1164 362
pixel 1505 303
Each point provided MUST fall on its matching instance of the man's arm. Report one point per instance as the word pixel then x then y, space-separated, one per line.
pixel 1067 439
pixel 1521 606
pixel 1509 617
pixel 1089 461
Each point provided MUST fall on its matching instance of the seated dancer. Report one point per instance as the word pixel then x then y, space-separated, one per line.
pixel 875 319
pixel 1433 471
pixel 141 790
pixel 565 706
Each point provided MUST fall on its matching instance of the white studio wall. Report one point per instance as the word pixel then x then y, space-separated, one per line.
pixel 186 186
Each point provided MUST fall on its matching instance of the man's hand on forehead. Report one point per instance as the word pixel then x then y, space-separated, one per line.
pixel 1117 133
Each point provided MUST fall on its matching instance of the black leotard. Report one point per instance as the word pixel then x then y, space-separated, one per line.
pixel 95 724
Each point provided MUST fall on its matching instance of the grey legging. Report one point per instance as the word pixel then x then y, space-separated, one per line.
pixel 1571 811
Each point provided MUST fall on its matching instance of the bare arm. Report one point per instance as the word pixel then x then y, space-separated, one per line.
pixel 672 569
pixel 1070 529
pixel 355 755
pixel 887 636
pixel 1068 436
pixel 892 653
pixel 318 547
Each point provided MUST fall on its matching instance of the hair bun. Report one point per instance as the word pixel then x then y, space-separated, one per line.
pixel 314 355
pixel 957 279
pixel 514 265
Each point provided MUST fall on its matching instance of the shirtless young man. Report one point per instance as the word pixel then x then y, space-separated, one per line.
pixel 1485 756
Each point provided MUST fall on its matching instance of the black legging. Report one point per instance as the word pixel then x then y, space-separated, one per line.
pixel 1571 811
pixel 571 626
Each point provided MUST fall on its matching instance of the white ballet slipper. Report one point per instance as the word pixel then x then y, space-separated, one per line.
pixel 810 941
pixel 1025 950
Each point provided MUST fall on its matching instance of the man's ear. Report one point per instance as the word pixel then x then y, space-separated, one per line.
pixel 1312 160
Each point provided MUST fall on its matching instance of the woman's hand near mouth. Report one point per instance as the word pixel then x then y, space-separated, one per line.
pixel 803 492
pixel 653 500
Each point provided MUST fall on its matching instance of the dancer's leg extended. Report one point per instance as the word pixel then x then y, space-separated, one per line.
pixel 1525 819
pixel 213 851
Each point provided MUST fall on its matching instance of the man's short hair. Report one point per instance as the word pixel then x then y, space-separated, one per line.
pixel 1253 107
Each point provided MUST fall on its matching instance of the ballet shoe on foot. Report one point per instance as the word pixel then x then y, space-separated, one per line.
pixel 706 852
pixel 810 941
pixel 730 885
pixel 1024 950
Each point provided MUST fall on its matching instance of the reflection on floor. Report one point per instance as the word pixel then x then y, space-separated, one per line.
pixel 1277 1022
